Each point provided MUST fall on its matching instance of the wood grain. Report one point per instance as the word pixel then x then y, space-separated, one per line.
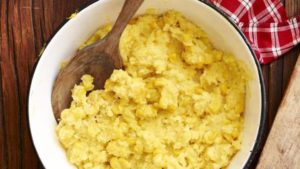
pixel 25 26
pixel 282 149
pixel 293 9
pixel 274 88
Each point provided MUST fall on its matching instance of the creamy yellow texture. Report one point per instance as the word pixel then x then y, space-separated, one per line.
pixel 178 104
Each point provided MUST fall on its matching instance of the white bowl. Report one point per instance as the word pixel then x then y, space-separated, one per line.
pixel 223 33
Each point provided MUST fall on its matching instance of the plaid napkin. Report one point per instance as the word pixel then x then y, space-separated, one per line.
pixel 265 24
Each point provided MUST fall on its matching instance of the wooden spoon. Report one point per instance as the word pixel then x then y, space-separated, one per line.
pixel 98 60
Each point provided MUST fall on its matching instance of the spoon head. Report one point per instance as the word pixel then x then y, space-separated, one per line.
pixel 98 64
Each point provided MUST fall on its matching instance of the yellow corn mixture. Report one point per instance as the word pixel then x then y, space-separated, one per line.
pixel 178 104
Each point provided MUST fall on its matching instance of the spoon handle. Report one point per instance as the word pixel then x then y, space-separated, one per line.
pixel 129 9
pixel 112 39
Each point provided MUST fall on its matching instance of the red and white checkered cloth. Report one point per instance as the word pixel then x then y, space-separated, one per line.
pixel 265 24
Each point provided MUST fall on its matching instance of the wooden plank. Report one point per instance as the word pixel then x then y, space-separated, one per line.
pixel 282 149
pixel 292 9
pixel 24 63
pixel 10 95
pixel 288 65
pixel 274 88
pixel 3 147
pixel 3 150
pixel 25 26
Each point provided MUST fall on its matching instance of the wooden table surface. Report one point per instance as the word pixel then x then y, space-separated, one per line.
pixel 26 25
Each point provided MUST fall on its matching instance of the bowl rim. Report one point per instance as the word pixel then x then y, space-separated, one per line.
pixel 263 113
